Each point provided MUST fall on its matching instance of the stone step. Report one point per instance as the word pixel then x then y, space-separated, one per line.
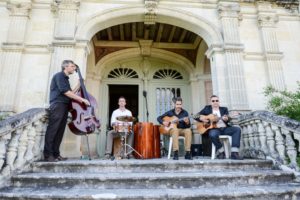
pixel 163 180
pixel 153 165
pixel 273 192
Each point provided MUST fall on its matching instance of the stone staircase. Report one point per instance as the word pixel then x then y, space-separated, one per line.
pixel 153 179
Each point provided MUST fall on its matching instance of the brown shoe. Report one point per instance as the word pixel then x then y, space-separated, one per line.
pixel 51 159
pixel 60 158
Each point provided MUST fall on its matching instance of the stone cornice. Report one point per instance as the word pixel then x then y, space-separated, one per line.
pixel 19 9
pixel 12 46
pixel 274 55
pixel 233 47
pixel 214 48
pixel 66 43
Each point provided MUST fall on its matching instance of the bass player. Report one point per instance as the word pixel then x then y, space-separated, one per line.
pixel 176 122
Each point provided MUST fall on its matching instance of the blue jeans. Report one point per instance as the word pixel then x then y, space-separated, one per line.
pixel 233 131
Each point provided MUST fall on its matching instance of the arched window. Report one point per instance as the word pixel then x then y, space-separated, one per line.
pixel 122 73
pixel 167 74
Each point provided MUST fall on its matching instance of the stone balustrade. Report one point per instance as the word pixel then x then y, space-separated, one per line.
pixel 278 137
pixel 21 141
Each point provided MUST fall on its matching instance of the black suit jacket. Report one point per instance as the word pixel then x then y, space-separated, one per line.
pixel 208 110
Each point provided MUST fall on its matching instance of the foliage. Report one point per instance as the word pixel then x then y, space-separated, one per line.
pixel 284 102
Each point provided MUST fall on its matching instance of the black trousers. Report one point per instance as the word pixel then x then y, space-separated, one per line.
pixel 58 115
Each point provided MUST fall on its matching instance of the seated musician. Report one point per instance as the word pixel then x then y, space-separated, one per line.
pixel 182 128
pixel 222 128
pixel 121 111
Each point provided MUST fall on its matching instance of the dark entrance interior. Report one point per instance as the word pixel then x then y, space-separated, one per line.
pixel 131 94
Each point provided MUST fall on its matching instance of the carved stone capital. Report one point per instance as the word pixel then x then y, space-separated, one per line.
pixel 19 9
pixel 267 20
pixel 65 5
pixel 229 9
pixel 150 11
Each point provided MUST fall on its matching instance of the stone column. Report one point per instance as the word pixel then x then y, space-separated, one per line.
pixel 63 42
pixel 218 73
pixel 12 53
pixel 234 71
pixel 266 21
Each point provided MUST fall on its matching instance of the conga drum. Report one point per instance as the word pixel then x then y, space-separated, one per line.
pixel 143 139
pixel 147 140
pixel 156 141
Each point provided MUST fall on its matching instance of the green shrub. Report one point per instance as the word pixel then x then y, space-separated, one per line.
pixel 284 102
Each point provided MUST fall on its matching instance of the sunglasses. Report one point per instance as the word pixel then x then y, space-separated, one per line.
pixel 214 100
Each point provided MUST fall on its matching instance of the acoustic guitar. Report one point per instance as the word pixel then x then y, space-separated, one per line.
pixel 172 123
pixel 203 127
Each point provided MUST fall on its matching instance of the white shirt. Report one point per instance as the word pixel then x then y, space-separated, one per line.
pixel 220 123
pixel 117 113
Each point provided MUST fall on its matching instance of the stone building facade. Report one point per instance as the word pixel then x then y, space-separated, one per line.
pixel 159 48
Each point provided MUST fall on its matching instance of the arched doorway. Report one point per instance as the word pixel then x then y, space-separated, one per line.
pixel 168 47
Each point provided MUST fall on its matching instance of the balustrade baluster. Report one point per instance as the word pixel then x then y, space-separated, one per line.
pixel 22 147
pixel 40 128
pixel 250 133
pixel 270 140
pixel 279 143
pixel 12 152
pixel 245 136
pixel 290 148
pixel 31 139
pixel 262 137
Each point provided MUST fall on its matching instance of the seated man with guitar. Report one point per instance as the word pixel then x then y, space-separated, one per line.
pixel 176 122
pixel 215 120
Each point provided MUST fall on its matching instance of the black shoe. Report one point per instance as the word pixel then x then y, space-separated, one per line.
pixel 107 156
pixel 236 156
pixel 60 158
pixel 175 155
pixel 221 155
pixel 188 155
pixel 51 159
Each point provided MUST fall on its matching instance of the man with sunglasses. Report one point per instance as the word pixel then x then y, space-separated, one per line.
pixel 223 128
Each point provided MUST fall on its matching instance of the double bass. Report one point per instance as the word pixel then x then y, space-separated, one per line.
pixel 84 120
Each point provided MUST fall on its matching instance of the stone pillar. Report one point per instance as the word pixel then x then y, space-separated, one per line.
pixel 65 26
pixel 65 47
pixel 63 43
pixel 234 71
pixel 266 21
pixel 12 53
pixel 218 74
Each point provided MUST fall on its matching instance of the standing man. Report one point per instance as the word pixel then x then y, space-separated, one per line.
pixel 60 97
pixel 223 128
pixel 121 111
pixel 182 128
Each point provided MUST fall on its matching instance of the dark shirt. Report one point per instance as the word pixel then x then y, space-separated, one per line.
pixel 59 85
pixel 181 115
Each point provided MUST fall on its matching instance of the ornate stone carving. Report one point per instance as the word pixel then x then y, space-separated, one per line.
pixel 146 47
pixel 228 9
pixel 267 20
pixel 65 5
pixel 150 11
pixel 19 9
